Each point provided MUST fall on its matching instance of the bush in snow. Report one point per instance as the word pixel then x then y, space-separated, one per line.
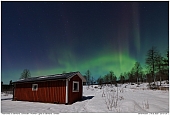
pixel 111 98
pixel 145 104
pixel 103 94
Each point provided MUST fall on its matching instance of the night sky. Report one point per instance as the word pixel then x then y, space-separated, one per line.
pixel 52 37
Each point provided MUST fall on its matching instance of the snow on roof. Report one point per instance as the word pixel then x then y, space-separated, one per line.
pixel 51 77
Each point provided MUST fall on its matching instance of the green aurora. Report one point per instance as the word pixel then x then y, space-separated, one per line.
pixel 99 64
pixel 55 37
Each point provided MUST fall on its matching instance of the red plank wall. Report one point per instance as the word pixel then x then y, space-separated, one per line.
pixel 74 96
pixel 49 91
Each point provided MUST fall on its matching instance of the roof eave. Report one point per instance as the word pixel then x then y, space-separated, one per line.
pixel 40 80
pixel 79 74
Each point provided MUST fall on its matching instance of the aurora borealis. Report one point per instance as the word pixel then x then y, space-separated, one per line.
pixel 52 37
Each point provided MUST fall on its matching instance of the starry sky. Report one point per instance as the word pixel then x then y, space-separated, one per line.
pixel 52 37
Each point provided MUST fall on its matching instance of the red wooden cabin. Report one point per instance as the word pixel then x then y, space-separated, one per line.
pixel 63 88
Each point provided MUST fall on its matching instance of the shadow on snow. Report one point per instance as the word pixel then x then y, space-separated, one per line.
pixel 87 98
pixel 6 99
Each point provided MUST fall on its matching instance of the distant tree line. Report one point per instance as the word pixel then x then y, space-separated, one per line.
pixel 157 69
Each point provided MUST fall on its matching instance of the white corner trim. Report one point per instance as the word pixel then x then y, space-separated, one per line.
pixel 66 90
pixel 82 89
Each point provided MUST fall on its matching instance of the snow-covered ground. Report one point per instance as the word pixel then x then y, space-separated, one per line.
pixel 124 99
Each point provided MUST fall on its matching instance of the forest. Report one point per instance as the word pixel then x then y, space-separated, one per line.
pixel 156 69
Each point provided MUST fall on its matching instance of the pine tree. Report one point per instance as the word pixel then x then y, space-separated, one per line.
pixel 111 75
pixel 151 61
pixel 100 81
pixel 159 66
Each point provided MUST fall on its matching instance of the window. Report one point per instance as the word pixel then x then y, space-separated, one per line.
pixel 34 87
pixel 75 86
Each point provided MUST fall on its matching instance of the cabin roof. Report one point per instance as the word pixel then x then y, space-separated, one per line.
pixel 51 77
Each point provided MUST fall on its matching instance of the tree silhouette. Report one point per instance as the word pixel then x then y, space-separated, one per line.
pixel 151 61
pixel 25 74
pixel 10 82
pixel 111 75
pixel 100 81
pixel 159 66
pixel 131 76
pixel 106 78
pixel 137 71
pixel 166 65
pixel 122 78
pixel 88 76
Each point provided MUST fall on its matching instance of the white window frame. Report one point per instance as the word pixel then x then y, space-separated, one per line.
pixel 33 87
pixel 77 86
